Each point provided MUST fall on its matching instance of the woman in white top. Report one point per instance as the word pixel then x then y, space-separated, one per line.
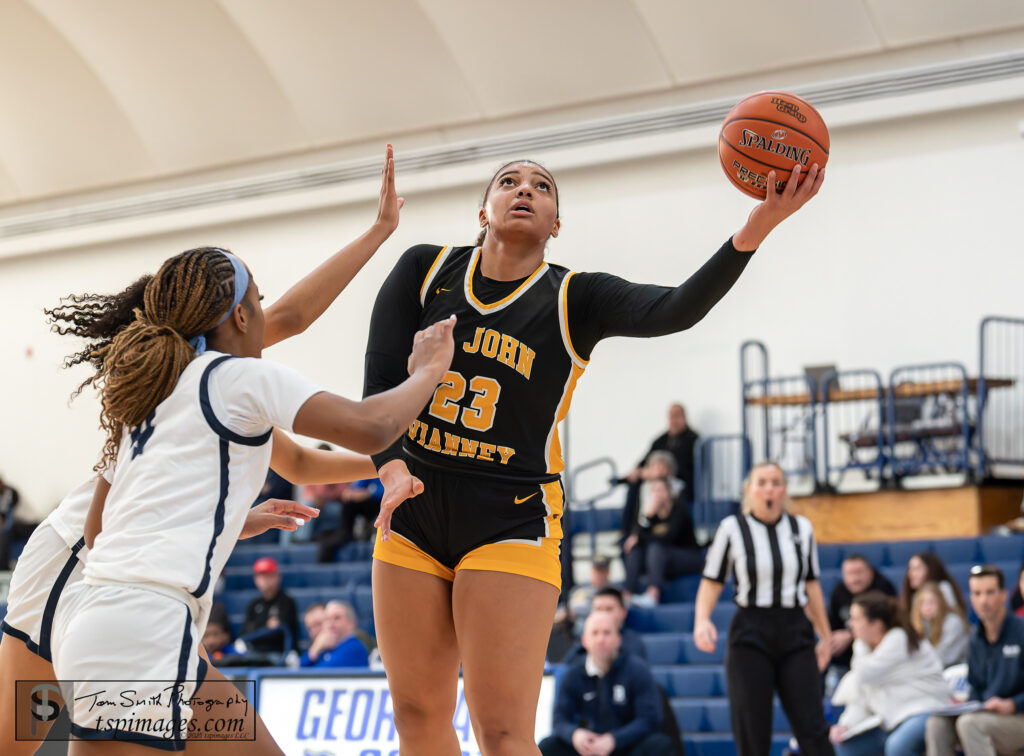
pixel 895 681
pixel 935 621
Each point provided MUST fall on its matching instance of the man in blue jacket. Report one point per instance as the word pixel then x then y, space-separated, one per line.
pixel 610 703
pixel 995 672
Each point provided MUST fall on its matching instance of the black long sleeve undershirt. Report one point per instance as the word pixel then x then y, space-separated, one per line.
pixel 599 306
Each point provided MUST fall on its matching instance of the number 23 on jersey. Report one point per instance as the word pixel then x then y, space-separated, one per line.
pixel 479 415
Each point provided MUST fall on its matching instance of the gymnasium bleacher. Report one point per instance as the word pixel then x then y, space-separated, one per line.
pixel 694 681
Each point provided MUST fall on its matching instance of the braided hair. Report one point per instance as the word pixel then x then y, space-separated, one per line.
pixel 142 363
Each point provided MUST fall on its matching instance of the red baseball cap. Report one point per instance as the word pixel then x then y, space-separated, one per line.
pixel 264 566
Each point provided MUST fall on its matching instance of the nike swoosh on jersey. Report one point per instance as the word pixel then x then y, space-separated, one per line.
pixel 438 291
pixel 520 501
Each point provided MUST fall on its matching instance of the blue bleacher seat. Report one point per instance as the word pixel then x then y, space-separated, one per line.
pixel 664 648
pixel 721 744
pixel 876 553
pixel 901 551
pixel 362 602
pixel 689 714
pixel 694 680
pixel 716 714
pixel 355 551
pixel 3 610
pixel 301 553
pixel 682 589
pixel 830 555
pixel 236 602
pixel 1001 549
pixel 895 575
pixel 956 550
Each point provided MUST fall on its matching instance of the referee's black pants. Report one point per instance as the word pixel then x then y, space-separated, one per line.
pixel 772 650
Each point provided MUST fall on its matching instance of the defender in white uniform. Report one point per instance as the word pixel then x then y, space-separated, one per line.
pixel 142 608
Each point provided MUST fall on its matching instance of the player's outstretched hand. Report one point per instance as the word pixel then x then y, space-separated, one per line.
pixel 705 636
pixel 399 485
pixel 433 349
pixel 390 203
pixel 279 514
pixel 777 206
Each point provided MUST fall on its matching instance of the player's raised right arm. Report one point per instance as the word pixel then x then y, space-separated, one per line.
pixel 376 422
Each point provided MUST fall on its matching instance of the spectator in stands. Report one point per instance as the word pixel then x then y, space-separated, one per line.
pixel 579 599
pixel 1017 600
pixel 321 496
pixel 567 625
pixel 609 600
pixel 995 674
pixel 360 499
pixel 680 440
pixel 859 576
pixel 660 466
pixel 895 680
pixel 935 621
pixel 15 525
pixel 609 704
pixel 217 641
pixel 925 567
pixel 336 645
pixel 272 609
pixel 661 546
pixel 313 618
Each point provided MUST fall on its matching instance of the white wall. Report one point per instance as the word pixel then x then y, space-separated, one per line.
pixel 912 240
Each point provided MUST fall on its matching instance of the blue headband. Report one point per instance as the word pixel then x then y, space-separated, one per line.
pixel 241 286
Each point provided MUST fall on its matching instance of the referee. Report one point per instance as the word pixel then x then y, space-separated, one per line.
pixel 771 646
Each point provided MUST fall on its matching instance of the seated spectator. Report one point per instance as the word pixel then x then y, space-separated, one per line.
pixel 1017 600
pixel 313 618
pixel 925 567
pixel 15 523
pixel 569 616
pixel 679 440
pixel 581 596
pixel 217 640
pixel 895 679
pixel 609 600
pixel 272 609
pixel 859 576
pixel 610 703
pixel 660 466
pixel 995 674
pixel 336 645
pixel 934 620
pixel 661 546
pixel 360 499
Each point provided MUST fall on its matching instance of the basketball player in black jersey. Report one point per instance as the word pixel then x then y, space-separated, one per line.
pixel 466 571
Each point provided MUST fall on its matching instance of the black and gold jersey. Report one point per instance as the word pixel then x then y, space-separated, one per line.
pixel 512 377
pixel 520 348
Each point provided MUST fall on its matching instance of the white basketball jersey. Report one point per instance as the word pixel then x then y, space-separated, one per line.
pixel 68 519
pixel 187 475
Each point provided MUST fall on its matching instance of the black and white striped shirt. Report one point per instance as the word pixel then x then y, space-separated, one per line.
pixel 777 560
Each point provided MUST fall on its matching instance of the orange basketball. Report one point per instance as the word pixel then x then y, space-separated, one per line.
pixel 766 131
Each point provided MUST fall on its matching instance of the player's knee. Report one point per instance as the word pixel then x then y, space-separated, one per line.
pixel 496 740
pixel 422 713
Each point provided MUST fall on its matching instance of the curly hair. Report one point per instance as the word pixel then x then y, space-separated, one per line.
pixel 97 318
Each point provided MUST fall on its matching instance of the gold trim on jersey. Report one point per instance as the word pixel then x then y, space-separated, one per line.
pixel 563 321
pixel 553 448
pixel 434 267
pixel 501 304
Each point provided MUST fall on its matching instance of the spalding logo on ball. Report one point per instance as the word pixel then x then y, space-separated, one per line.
pixel 771 131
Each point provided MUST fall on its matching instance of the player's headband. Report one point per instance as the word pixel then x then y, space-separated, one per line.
pixel 241 286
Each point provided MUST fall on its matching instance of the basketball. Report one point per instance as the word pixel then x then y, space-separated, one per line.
pixel 771 131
